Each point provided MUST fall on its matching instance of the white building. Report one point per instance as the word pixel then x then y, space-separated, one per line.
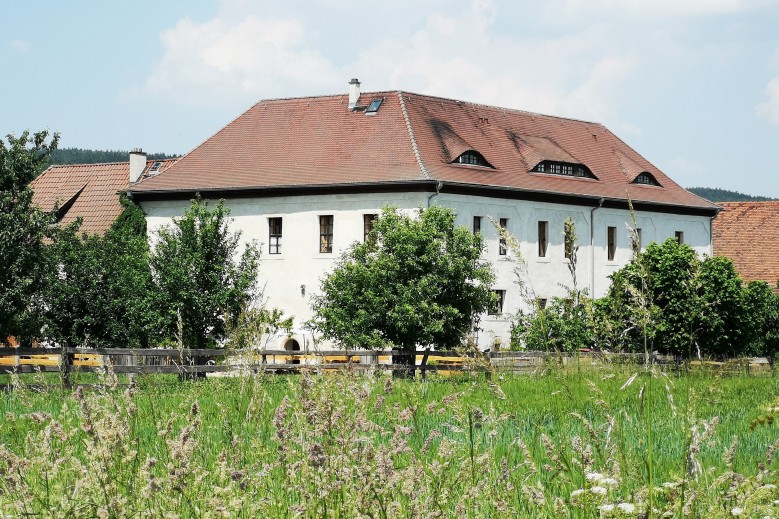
pixel 303 177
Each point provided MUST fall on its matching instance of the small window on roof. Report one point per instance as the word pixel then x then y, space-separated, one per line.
pixel 647 179
pixel 374 106
pixel 566 169
pixel 472 158
pixel 155 168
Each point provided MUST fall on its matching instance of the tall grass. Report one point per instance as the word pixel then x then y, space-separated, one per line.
pixel 565 444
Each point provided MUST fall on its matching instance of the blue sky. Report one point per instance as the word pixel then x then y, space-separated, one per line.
pixel 693 85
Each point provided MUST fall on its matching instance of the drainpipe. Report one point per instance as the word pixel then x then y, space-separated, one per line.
pixel 592 246
pixel 438 187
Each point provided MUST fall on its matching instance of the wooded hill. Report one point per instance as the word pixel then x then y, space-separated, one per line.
pixel 714 194
pixel 80 156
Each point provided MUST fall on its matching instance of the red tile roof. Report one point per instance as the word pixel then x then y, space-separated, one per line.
pixel 747 233
pixel 317 141
pixel 89 191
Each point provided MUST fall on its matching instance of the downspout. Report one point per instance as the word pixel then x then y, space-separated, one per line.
pixel 438 187
pixel 711 232
pixel 592 246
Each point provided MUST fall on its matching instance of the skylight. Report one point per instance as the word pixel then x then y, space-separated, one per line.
pixel 472 158
pixel 155 168
pixel 374 106
pixel 566 169
pixel 647 179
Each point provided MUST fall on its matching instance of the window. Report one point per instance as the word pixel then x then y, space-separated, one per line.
pixel 374 106
pixel 497 303
pixel 679 235
pixel 155 168
pixel 472 158
pixel 326 233
pixel 636 240
pixel 274 233
pixel 543 232
pixel 367 225
pixel 569 241
pixel 542 303
pixel 502 247
pixel 565 169
pixel 612 243
pixel 646 179
pixel 476 224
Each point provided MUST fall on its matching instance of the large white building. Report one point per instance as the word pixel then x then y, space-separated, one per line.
pixel 304 176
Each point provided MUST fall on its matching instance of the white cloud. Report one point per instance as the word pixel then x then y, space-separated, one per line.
pixel 218 60
pixel 666 7
pixel 770 109
pixel 21 45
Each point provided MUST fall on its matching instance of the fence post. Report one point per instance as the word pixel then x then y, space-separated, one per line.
pixel 423 366
pixel 65 363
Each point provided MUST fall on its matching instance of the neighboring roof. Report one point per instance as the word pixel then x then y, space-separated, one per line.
pixel 747 233
pixel 317 141
pixel 89 191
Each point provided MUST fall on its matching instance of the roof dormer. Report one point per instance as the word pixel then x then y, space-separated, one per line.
pixel 472 158
pixel 566 169
pixel 645 178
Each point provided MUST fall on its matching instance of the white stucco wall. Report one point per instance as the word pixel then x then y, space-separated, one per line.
pixel 290 278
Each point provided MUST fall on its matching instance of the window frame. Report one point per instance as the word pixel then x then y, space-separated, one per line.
pixel 503 249
pixel 496 308
pixel 477 224
pixel 368 221
pixel 275 234
pixel 679 236
pixel 611 243
pixel 326 228
pixel 543 238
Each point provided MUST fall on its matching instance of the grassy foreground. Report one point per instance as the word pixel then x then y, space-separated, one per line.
pixel 347 445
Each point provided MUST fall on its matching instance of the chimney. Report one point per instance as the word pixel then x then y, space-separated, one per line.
pixel 137 164
pixel 354 93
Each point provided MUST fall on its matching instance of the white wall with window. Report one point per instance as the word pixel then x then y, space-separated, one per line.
pixel 290 232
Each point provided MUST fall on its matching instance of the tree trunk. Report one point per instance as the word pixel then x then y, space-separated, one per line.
pixel 405 362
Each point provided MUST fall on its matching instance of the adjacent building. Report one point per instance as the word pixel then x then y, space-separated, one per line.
pixel 748 234
pixel 305 177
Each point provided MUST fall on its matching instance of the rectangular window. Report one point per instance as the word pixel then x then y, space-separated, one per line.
pixel 612 243
pixel 542 303
pixel 326 233
pixel 637 241
pixel 367 225
pixel 502 247
pixel 497 304
pixel 543 232
pixel 679 235
pixel 274 235
pixel 476 224
pixel 569 241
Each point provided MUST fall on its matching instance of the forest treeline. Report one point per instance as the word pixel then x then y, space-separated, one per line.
pixel 82 156
pixel 714 194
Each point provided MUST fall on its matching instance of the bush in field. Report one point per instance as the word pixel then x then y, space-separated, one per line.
pixel 200 279
pixel 97 286
pixel 415 281
pixel 700 307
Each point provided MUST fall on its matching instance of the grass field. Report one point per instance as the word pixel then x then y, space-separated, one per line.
pixel 561 444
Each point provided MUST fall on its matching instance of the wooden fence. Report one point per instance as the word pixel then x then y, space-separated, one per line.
pixel 185 362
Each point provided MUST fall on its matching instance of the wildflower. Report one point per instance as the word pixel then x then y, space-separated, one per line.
pixel 627 508
pixel 736 511
pixel 599 490
pixel 577 492
pixel 607 508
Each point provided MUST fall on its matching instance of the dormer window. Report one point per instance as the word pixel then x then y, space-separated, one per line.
pixel 566 169
pixel 472 158
pixel 647 179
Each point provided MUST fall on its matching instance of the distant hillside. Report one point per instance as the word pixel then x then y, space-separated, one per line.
pixel 714 194
pixel 79 156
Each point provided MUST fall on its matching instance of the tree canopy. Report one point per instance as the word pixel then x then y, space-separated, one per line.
pixel 22 230
pixel 199 276
pixel 415 281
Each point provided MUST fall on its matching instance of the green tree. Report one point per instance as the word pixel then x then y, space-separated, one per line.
pixel 200 279
pixel 97 290
pixel 22 230
pixel 415 281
